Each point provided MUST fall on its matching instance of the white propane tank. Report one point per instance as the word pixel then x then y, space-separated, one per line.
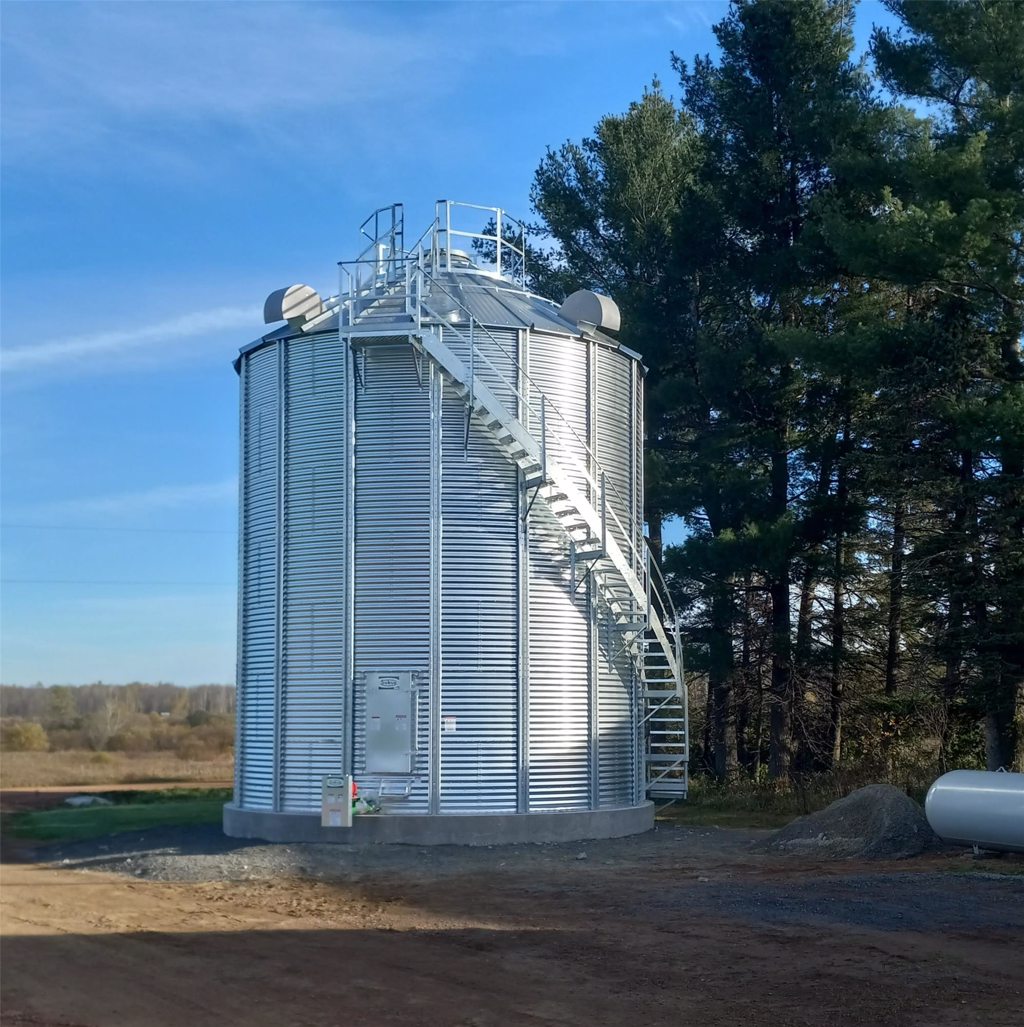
pixel 978 807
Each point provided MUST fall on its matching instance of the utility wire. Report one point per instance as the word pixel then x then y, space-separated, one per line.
pixel 82 527
pixel 109 581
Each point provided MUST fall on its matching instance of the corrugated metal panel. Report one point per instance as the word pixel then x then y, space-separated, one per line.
pixel 257 708
pixel 501 304
pixel 640 771
pixel 291 700
pixel 559 369
pixel 479 616
pixel 392 539
pixel 614 442
pixel 616 716
pixel 615 434
pixel 314 570
pixel 559 680
pixel 559 689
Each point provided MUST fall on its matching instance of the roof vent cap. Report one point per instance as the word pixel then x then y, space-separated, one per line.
pixel 590 308
pixel 298 304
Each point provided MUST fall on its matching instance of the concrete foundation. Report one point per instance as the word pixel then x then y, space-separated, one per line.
pixel 463 829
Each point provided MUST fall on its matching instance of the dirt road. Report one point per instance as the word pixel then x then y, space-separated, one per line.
pixel 676 933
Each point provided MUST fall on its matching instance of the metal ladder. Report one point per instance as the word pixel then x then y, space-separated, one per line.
pixel 393 303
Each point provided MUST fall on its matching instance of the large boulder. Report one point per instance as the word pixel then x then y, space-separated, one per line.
pixel 877 822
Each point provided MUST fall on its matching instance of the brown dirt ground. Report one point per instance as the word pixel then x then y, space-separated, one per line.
pixel 548 942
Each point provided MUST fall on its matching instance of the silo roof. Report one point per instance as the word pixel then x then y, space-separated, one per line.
pixel 502 306
pixel 490 301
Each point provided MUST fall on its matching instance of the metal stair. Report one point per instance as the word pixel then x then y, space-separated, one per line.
pixel 393 302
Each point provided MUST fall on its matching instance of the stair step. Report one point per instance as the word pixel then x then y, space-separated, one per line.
pixel 631 625
pixel 589 554
pixel 661 790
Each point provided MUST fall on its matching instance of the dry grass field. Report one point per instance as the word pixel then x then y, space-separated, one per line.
pixel 73 767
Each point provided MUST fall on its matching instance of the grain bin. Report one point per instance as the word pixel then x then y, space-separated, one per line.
pixel 444 588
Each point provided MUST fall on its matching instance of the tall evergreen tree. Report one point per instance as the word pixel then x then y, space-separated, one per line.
pixel 610 203
pixel 958 235
pixel 827 287
pixel 771 110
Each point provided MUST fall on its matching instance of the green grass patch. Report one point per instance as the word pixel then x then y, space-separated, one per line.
pixel 165 795
pixel 745 804
pixel 708 816
pixel 1008 866
pixel 68 825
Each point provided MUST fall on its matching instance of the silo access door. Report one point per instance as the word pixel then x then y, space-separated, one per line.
pixel 390 723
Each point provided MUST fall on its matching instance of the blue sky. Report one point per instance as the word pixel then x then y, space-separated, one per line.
pixel 165 166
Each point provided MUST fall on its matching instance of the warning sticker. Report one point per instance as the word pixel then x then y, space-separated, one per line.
pixel 449 724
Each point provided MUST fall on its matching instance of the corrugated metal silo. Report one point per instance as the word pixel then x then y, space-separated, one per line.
pixel 444 587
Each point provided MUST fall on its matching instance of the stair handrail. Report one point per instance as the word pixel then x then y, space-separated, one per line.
pixel 598 469
pixel 653 618
pixel 667 611
pixel 655 585
pixel 411 265
pixel 663 593
pixel 599 487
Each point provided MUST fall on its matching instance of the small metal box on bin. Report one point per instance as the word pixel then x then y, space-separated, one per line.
pixel 336 806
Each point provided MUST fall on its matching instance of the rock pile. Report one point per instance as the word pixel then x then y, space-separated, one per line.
pixel 877 822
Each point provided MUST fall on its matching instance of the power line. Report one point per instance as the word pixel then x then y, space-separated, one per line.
pixel 82 527
pixel 109 581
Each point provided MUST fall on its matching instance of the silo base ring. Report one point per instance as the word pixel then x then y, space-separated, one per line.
pixel 441 829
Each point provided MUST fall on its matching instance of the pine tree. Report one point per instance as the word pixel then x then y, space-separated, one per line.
pixel 771 110
pixel 957 233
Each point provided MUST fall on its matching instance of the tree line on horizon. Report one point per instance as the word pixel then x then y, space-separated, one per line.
pixel 821 258
pixel 195 722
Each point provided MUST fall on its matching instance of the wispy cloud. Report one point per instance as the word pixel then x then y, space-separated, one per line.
pixel 110 345
pixel 685 16
pixel 152 500
pixel 92 78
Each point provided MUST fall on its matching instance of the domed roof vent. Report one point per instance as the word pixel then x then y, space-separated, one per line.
pixel 298 304
pixel 591 310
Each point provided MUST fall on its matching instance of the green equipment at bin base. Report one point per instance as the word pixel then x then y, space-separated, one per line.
pixel 341 801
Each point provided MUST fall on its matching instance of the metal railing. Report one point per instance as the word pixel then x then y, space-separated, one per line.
pixel 656 588
pixel 508 239
pixel 385 271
